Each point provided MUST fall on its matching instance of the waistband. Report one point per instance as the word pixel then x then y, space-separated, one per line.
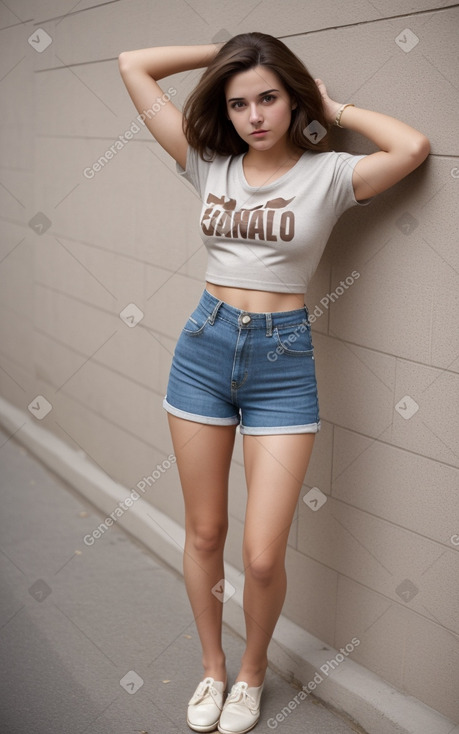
pixel 248 319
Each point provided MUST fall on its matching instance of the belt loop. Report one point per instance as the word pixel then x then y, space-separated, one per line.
pixel 213 315
pixel 269 325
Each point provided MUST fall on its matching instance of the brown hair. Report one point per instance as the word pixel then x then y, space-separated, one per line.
pixel 205 121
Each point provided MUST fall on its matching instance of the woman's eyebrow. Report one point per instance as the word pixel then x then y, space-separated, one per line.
pixel 262 94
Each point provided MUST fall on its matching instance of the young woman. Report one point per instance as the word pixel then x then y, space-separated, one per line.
pixel 252 140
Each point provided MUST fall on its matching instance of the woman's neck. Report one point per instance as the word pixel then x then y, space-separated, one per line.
pixel 272 159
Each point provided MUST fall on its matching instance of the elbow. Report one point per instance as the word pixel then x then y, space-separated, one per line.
pixel 123 60
pixel 421 149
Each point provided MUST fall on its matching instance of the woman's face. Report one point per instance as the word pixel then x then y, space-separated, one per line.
pixel 259 107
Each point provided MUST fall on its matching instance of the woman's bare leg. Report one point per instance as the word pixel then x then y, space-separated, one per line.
pixel 203 455
pixel 275 469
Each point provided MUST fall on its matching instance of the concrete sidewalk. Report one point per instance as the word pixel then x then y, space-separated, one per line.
pixel 101 639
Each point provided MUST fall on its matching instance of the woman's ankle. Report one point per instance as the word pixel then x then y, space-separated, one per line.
pixel 215 669
pixel 253 673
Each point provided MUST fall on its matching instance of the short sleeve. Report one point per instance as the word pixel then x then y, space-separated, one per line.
pixel 343 190
pixel 196 170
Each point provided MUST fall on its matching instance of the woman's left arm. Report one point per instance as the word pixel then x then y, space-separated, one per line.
pixel 402 148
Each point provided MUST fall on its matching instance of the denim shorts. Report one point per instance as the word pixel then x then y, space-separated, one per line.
pixel 254 369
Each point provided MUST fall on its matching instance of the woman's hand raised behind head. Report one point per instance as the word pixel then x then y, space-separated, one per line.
pixel 330 107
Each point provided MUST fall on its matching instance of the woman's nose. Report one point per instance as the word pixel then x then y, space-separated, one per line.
pixel 255 114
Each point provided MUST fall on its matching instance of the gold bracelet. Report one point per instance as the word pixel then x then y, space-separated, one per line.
pixel 340 112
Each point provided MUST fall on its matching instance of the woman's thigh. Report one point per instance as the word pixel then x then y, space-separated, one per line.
pixel 203 454
pixel 275 468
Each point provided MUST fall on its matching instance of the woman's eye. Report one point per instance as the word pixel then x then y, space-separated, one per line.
pixel 267 98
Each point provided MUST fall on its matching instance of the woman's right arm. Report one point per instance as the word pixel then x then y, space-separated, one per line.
pixel 140 71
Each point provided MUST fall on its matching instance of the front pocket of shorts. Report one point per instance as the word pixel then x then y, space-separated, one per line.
pixel 196 323
pixel 294 340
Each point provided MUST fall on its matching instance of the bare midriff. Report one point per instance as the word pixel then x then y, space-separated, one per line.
pixel 256 301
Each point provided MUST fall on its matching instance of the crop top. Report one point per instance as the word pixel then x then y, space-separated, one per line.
pixel 270 237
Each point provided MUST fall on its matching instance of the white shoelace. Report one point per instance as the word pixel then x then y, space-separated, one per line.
pixel 205 688
pixel 239 694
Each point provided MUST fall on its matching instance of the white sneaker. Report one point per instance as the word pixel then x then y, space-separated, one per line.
pixel 241 711
pixel 205 705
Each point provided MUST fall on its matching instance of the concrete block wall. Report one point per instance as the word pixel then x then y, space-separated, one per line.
pixel 379 560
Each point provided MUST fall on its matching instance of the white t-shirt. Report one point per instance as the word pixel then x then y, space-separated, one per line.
pixel 269 237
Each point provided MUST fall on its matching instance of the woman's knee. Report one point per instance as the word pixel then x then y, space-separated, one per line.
pixel 264 568
pixel 207 538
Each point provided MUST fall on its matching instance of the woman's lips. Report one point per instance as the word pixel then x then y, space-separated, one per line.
pixel 257 133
